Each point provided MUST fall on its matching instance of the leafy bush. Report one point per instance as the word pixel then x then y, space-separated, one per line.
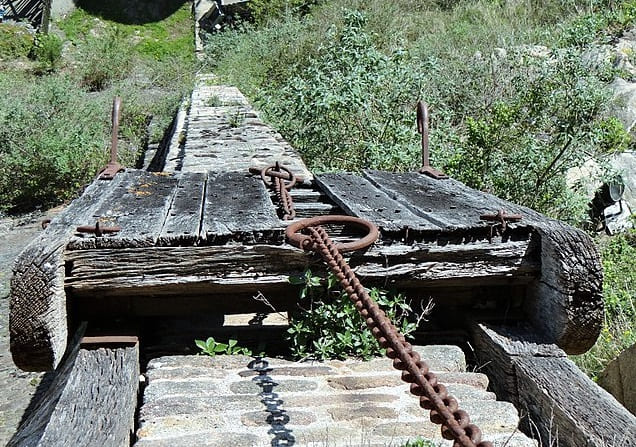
pixel 331 327
pixel 346 108
pixel 15 41
pixel 48 51
pixel 264 10
pixel 106 58
pixel 44 164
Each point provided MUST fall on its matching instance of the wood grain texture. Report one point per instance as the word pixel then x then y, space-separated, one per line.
pixel 208 270
pixel 37 316
pixel 357 196
pixel 139 206
pixel 238 207
pixel 90 402
pixel 566 300
pixel 183 221
pixel 561 402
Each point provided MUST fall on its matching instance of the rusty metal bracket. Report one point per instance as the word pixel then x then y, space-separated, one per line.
pixel 501 218
pixel 305 241
pixel 97 229
pixel 109 340
pixel 113 167
pixel 422 128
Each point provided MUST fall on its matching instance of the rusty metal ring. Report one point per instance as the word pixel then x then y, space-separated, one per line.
pixel 265 172
pixel 304 241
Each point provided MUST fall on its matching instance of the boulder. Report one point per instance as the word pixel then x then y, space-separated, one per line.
pixel 618 378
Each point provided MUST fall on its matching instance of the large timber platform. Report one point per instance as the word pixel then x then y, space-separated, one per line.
pixel 206 237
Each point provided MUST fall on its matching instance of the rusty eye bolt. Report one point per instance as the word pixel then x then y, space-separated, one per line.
pixel 422 127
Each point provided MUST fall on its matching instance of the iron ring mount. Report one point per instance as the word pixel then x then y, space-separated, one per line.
pixel 305 241
pixel 278 171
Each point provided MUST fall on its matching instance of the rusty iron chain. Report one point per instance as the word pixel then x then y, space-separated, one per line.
pixel 279 174
pixel 444 408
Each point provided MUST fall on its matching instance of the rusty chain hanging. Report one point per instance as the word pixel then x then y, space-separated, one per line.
pixel 278 175
pixel 444 408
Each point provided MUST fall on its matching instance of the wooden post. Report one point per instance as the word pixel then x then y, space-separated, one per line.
pixel 91 400
pixel 562 405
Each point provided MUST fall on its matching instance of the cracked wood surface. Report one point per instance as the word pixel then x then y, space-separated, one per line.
pixel 561 402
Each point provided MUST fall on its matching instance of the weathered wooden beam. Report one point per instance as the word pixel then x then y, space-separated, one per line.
pixel 37 318
pixel 565 301
pixel 219 269
pixel 563 405
pixel 238 207
pixel 91 401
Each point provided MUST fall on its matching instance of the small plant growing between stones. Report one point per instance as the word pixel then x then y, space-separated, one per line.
pixel 331 327
pixel 212 347
pixel 420 442
pixel 236 119
pixel 214 101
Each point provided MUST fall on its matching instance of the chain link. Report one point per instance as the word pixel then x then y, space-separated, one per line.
pixel 278 175
pixel 444 408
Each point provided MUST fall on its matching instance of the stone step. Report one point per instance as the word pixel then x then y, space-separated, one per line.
pixel 247 401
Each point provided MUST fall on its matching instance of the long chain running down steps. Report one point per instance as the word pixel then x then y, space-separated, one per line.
pixel 444 408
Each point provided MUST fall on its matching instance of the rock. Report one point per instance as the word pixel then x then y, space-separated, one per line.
pixel 624 103
pixel 618 378
pixel 625 164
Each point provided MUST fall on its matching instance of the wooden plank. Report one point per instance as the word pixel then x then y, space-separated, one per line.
pixel 91 401
pixel 139 208
pixel 566 301
pixel 357 196
pixel 562 403
pixel 238 207
pixel 220 269
pixel 37 320
pixel 183 221
pixel 446 203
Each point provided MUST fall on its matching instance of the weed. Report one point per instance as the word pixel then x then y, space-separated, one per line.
pixel 47 50
pixel 211 347
pixel 330 326
pixel 420 442
pixel 236 118
pixel 15 41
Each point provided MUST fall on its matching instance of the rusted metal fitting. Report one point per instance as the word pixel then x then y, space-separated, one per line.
pixel 109 340
pixel 278 171
pixel 305 241
pixel 422 128
pixel 113 167
pixel 97 229
pixel 501 218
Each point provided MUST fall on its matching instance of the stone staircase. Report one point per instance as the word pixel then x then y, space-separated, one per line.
pixel 247 401
pixel 223 133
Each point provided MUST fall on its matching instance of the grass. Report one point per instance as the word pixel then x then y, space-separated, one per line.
pixel 142 52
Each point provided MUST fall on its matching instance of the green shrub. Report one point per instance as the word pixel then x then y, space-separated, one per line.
pixel 105 58
pixel 15 41
pixel 48 51
pixel 329 326
pixel 53 139
pixel 264 10
pixel 351 106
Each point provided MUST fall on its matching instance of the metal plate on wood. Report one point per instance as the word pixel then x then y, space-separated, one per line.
pixel 238 207
pixel 357 196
